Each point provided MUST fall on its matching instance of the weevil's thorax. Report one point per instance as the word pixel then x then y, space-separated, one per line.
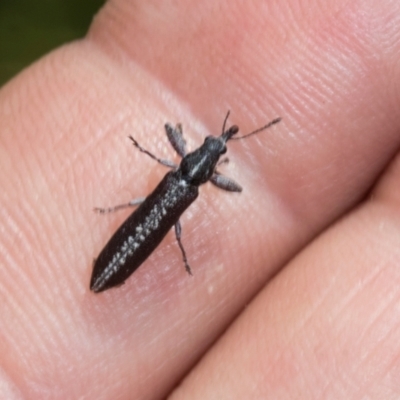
pixel 198 167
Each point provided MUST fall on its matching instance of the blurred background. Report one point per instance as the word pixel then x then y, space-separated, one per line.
pixel 32 28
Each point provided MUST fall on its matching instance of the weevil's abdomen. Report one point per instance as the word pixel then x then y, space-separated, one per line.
pixel 142 232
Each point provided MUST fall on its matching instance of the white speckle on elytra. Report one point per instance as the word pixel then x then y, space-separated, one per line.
pixel 142 231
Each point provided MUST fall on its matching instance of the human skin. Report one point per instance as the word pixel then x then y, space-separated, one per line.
pixel 296 285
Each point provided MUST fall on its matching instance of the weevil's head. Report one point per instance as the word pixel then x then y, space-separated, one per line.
pixel 227 135
pixel 198 167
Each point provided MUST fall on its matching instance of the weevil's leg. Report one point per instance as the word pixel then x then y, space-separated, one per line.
pixel 225 183
pixel 166 163
pixel 132 203
pixel 178 231
pixel 176 139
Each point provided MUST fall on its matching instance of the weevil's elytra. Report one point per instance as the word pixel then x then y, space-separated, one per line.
pixel 156 214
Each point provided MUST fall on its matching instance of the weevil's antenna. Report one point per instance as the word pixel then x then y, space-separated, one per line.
pixel 273 122
pixel 226 119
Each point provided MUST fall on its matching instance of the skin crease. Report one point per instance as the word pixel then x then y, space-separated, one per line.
pixel 296 280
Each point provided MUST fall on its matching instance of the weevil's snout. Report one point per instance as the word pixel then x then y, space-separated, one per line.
pixel 233 130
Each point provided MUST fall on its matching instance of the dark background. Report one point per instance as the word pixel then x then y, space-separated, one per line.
pixel 31 28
